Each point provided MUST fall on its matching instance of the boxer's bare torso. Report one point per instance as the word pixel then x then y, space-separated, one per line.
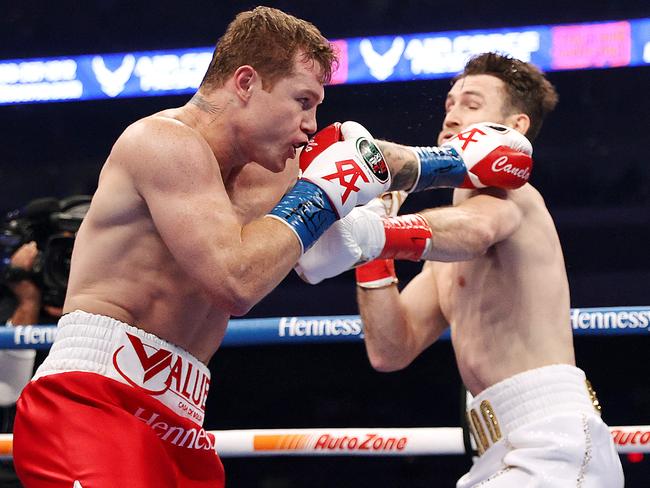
pixel 496 276
pixel 122 268
pixel 509 308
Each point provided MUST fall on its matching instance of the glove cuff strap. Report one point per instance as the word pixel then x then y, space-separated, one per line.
pixel 440 167
pixel 308 212
pixel 379 273
pixel 407 237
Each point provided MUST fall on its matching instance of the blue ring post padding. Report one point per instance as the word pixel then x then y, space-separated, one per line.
pixel 440 167
pixel 606 321
pixel 307 210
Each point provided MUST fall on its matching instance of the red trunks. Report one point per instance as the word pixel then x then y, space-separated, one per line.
pixel 122 411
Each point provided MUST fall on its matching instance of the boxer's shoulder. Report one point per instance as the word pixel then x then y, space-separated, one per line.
pixel 158 142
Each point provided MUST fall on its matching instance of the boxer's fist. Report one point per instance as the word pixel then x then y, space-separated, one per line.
pixel 351 241
pixel 494 155
pixel 329 135
pixel 352 130
pixel 336 176
pixel 350 172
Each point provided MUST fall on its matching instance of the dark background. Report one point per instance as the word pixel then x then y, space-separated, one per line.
pixel 591 165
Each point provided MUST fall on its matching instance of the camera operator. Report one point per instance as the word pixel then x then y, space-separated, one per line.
pixel 33 282
pixel 16 366
pixel 20 305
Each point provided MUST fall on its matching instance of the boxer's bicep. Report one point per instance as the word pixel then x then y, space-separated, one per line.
pixel 181 184
pixel 499 213
pixel 236 264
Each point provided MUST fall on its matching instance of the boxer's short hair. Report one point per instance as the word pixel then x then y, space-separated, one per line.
pixel 268 40
pixel 527 89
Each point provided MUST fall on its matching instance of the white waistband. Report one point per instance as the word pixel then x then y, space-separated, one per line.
pixel 527 397
pixel 98 344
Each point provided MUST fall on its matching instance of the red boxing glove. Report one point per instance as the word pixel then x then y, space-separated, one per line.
pixel 494 154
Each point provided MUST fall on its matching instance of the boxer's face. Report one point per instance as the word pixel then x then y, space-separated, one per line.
pixel 285 116
pixel 473 99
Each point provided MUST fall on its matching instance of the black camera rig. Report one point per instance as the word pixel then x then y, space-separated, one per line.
pixel 53 225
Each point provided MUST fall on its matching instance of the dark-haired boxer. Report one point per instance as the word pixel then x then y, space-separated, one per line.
pixel 494 273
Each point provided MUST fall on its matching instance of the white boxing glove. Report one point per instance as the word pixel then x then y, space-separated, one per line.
pixel 351 241
pixel 352 171
pixel 353 130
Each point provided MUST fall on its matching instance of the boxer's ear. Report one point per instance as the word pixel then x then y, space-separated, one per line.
pixel 520 122
pixel 246 79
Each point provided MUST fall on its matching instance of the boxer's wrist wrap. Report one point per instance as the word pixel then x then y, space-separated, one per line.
pixel 307 210
pixel 379 273
pixel 406 237
pixel 440 167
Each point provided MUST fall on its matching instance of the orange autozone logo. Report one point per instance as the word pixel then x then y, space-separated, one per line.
pixel 370 442
pixel 281 442
pixel 6 445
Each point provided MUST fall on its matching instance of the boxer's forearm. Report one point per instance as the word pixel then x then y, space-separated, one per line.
pixel 469 229
pixel 267 252
pixel 485 155
pixel 403 164
pixel 385 328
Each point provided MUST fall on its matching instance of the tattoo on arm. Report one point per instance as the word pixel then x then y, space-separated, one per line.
pixel 403 165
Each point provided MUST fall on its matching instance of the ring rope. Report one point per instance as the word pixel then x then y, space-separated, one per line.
pixel 354 441
pixel 418 441
pixel 343 328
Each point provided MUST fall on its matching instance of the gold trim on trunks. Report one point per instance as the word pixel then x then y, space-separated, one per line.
pixel 480 438
pixel 594 399
pixel 490 420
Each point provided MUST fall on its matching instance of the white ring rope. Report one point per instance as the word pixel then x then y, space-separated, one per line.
pixel 419 441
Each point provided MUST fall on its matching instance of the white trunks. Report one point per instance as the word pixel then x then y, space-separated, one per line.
pixel 541 428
